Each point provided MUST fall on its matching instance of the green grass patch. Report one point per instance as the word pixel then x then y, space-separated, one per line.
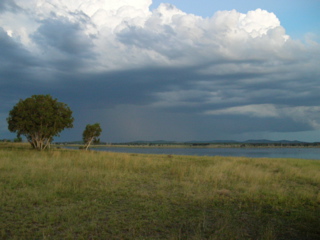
pixel 62 194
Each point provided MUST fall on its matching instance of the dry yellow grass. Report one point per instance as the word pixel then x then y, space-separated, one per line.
pixel 63 194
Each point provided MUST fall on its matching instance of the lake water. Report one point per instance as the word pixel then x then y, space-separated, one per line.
pixel 303 153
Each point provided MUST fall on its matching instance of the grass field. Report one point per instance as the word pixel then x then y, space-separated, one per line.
pixel 61 194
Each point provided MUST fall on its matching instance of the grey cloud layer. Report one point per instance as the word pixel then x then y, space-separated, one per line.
pixel 229 73
pixel 8 5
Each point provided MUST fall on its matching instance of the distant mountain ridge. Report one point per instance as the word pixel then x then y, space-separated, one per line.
pixel 272 141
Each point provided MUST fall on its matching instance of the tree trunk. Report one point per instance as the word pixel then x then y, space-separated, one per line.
pixel 88 143
pixel 47 143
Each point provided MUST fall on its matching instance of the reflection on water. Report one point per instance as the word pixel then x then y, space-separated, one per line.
pixel 303 153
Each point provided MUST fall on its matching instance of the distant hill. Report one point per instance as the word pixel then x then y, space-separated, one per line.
pixel 152 142
pixel 271 141
pixel 214 141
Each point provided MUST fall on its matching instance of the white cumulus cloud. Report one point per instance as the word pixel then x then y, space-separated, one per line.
pixel 126 33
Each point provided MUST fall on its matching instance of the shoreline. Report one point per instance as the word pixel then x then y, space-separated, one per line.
pixel 250 145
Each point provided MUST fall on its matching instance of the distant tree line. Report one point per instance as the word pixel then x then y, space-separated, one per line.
pixel 220 144
pixel 315 144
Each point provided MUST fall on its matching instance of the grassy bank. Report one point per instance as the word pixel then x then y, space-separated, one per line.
pixel 64 194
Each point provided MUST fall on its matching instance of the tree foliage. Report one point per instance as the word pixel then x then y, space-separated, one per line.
pixel 39 118
pixel 91 134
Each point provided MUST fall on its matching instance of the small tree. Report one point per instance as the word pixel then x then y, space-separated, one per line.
pixel 91 134
pixel 39 118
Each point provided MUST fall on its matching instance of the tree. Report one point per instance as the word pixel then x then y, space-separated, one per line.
pixel 39 118
pixel 91 133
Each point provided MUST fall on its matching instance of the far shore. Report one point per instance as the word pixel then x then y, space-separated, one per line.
pixel 235 145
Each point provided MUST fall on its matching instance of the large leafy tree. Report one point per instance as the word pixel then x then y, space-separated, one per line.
pixel 39 118
pixel 91 134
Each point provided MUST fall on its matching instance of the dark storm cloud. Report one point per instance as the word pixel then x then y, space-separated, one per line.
pixel 16 69
pixel 87 95
pixel 12 53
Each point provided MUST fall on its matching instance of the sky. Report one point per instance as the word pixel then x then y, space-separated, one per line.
pixel 177 70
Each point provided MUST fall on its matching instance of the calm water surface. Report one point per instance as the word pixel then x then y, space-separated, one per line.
pixel 303 153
